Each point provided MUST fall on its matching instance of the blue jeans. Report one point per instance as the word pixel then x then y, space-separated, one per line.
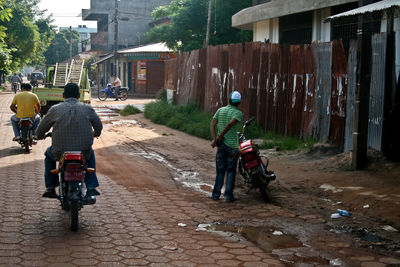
pixel 52 181
pixel 15 126
pixel 226 162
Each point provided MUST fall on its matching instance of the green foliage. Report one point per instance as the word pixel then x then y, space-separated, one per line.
pixel 185 118
pixel 91 68
pixel 129 110
pixel 189 119
pixel 272 140
pixel 162 95
pixel 187 28
pixel 23 37
pixel 58 50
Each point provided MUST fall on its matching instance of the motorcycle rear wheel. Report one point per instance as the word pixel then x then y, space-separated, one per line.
pixel 102 96
pixel 262 186
pixel 73 215
pixel 123 94
pixel 24 136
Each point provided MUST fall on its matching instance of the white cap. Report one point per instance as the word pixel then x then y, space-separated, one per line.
pixel 235 97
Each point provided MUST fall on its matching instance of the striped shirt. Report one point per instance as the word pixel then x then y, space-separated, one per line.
pixel 72 124
pixel 223 116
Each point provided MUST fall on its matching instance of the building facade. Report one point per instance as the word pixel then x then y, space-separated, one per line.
pixel 133 22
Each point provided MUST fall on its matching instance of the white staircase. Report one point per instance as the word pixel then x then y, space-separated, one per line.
pixel 60 74
pixel 75 73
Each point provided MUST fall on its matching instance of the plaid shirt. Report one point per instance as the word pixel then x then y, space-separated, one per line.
pixel 72 124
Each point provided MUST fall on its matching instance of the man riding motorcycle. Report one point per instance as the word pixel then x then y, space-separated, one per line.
pixel 15 82
pixel 25 105
pixel 74 126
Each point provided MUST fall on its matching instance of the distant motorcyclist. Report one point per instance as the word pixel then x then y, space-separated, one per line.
pixel 116 85
pixel 25 105
pixel 15 82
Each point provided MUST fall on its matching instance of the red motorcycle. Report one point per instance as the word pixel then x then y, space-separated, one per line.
pixel 26 128
pixel 71 171
pixel 251 166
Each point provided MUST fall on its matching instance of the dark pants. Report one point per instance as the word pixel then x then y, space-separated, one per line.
pixel 52 181
pixel 226 162
pixel 116 91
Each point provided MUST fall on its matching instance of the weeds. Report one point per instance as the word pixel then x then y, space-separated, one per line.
pixel 189 119
pixel 128 110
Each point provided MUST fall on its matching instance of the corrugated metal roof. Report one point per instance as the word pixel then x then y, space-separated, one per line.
pixel 274 9
pixel 159 47
pixel 378 6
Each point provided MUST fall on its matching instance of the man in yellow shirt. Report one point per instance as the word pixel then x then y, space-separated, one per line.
pixel 25 105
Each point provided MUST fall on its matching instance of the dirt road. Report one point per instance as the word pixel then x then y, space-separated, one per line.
pixel 155 185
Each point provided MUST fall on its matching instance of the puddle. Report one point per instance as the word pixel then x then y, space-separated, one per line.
pixel 286 247
pixel 361 233
pixel 188 178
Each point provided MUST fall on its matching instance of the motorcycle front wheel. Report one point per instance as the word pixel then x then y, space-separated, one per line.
pixel 73 215
pixel 123 94
pixel 102 96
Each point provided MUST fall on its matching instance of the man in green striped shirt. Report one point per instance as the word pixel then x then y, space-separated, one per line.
pixel 226 139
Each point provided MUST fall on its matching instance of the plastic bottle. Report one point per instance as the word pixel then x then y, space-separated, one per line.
pixel 344 213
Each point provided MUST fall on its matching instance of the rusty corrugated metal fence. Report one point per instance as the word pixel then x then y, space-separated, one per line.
pixel 297 90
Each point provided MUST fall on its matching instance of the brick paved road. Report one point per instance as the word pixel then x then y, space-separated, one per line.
pixel 122 229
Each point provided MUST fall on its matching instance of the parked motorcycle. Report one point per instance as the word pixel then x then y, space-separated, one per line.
pixel 251 166
pixel 26 128
pixel 71 172
pixel 109 92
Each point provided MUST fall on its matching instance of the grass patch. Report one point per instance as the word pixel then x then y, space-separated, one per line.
pixel 185 118
pixel 129 110
pixel 189 119
pixel 2 88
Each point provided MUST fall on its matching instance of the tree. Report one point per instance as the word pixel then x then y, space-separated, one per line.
pixel 58 50
pixel 47 33
pixel 188 21
pixel 22 37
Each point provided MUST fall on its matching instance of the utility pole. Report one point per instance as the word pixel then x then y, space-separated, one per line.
pixel 70 42
pixel 116 38
pixel 208 24
pixel 361 113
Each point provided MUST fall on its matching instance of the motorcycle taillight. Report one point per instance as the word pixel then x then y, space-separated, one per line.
pixel 73 172
pixel 26 123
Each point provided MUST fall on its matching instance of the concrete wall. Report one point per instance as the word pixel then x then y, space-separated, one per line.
pixel 138 13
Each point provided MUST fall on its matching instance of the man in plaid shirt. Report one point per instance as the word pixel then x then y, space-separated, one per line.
pixel 74 126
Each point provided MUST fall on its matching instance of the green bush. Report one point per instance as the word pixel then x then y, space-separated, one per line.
pixel 128 110
pixel 162 95
pixel 189 119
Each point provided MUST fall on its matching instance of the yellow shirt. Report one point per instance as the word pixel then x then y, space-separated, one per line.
pixel 25 102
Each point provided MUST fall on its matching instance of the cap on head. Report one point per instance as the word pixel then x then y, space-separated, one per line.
pixel 71 90
pixel 235 97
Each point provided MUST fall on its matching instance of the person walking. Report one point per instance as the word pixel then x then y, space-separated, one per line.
pixel 224 136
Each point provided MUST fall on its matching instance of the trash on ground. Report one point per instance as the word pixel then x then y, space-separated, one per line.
pixel 202 227
pixel 182 224
pixel 335 262
pixel 366 206
pixel 171 246
pixel 344 213
pixel 277 233
pixel 389 228
pixel 328 187
pixel 338 203
pixel 335 216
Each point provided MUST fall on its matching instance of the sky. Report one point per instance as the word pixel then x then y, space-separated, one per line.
pixel 67 12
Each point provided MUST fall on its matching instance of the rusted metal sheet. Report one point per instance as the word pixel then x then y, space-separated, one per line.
pixel 309 96
pixel 155 76
pixel 295 93
pixel 351 96
pixel 323 56
pixel 339 91
pixel 170 74
pixel 283 84
pixel 214 92
pixel 377 91
pixel 262 99
pixel 188 77
pixel 201 78
pixel 246 81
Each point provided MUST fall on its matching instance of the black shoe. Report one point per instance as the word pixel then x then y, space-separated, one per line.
pixel 50 193
pixel 116 99
pixel 231 199
pixel 92 192
pixel 215 198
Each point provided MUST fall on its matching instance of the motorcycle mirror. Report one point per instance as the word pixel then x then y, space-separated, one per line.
pixel 249 121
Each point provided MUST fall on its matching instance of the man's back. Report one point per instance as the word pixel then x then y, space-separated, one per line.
pixel 25 102
pixel 15 79
pixel 72 124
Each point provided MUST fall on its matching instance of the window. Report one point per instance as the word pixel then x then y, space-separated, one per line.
pixel 296 28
